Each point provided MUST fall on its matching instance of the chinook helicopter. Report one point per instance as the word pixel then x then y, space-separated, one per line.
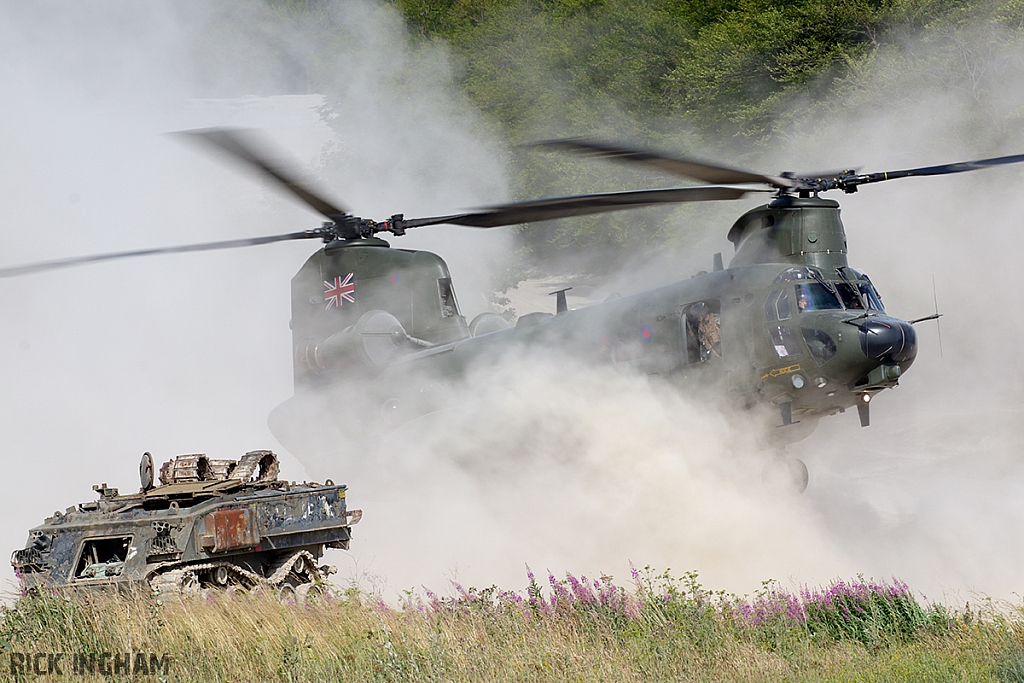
pixel 788 324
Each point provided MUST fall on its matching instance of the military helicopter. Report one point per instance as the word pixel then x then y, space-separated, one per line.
pixel 787 325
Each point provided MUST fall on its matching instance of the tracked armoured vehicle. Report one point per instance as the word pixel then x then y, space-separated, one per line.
pixel 208 524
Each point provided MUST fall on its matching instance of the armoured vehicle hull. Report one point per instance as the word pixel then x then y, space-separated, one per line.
pixel 210 523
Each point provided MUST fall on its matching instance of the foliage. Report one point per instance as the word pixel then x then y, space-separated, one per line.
pixel 867 612
pixel 721 79
pixel 724 67
pixel 660 628
pixel 727 80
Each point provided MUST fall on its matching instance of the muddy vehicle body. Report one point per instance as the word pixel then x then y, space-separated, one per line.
pixel 209 523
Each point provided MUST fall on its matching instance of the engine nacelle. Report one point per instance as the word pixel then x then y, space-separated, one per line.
pixel 370 345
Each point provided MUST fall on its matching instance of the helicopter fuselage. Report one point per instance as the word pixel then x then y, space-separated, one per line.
pixel 787 324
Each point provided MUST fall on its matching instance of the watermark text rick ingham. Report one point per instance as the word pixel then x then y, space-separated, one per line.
pixel 105 663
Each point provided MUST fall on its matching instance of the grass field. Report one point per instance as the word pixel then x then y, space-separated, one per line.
pixel 572 629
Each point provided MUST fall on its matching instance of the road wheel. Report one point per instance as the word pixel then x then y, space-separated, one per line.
pixel 221 576
pixel 190 584
pixel 288 591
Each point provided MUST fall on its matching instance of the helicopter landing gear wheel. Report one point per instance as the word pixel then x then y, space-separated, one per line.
pixel 786 475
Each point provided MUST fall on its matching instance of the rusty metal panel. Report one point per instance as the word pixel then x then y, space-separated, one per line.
pixel 229 530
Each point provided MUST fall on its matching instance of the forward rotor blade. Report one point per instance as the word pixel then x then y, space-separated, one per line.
pixel 959 167
pixel 690 168
pixel 242 145
pixel 14 271
pixel 582 205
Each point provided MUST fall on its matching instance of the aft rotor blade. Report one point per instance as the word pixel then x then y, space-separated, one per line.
pixel 582 205
pixel 41 266
pixel 690 168
pixel 243 146
pixel 945 169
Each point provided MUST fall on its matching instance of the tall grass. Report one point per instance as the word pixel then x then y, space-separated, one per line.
pixel 659 628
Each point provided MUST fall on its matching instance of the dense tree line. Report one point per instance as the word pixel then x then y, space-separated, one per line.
pixel 720 79
pixel 723 77
pixel 723 66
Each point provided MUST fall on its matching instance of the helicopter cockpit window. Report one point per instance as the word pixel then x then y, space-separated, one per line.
pixel 770 313
pixel 784 339
pixel 851 299
pixel 783 307
pixel 449 307
pixel 816 297
pixel 867 288
pixel 798 274
pixel 821 346
pixel 778 307
pixel 871 296
pixel 702 327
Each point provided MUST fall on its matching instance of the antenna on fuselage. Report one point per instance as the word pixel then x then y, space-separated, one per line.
pixel 560 304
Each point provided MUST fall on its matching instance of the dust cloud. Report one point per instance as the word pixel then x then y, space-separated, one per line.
pixel 930 492
pixel 179 354
pixel 570 467
pixel 543 460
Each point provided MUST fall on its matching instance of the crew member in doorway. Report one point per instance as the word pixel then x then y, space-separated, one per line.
pixel 708 332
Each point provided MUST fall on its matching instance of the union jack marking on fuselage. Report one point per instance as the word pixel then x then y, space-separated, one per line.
pixel 338 291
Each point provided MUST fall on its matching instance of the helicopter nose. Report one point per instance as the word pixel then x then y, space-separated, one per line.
pixel 888 340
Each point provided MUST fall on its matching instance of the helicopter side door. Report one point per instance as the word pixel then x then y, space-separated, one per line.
pixel 701 323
